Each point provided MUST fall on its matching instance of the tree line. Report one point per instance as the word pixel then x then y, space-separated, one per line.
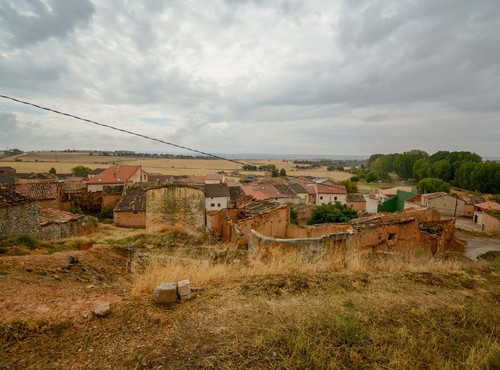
pixel 463 169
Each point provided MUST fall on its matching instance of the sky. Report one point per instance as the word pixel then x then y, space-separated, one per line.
pixel 253 76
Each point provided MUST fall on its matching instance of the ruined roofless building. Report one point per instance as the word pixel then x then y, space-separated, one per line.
pixel 180 206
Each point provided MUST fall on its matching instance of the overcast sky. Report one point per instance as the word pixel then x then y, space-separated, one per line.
pixel 307 77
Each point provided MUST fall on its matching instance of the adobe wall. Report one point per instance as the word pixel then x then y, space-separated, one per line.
pixel 358 206
pixel 311 248
pixel 295 231
pixel 21 219
pixel 110 201
pixel 173 205
pixel 449 206
pixel 273 223
pixel 130 219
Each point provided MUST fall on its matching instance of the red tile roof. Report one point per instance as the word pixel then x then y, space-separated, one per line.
pixel 39 190
pixel 51 215
pixel 262 191
pixel 331 189
pixel 488 206
pixel 114 174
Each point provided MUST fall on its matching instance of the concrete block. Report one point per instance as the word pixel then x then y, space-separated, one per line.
pixel 166 293
pixel 184 288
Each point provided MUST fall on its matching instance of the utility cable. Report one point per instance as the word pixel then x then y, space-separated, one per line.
pixel 120 129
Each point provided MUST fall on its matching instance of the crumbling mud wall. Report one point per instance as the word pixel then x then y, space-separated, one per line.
pixel 273 223
pixel 130 219
pixel 310 248
pixel 55 230
pixel 316 231
pixel 175 205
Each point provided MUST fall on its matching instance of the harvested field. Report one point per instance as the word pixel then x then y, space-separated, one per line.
pixel 63 162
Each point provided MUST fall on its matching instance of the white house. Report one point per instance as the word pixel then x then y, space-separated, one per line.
pixel 330 194
pixel 216 197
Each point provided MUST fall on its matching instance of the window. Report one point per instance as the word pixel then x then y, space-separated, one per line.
pixel 334 198
pixel 321 197
pixel 391 236
pixel 212 204
pixel 218 204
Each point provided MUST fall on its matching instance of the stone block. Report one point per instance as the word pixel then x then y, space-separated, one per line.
pixel 184 288
pixel 166 293
pixel 102 309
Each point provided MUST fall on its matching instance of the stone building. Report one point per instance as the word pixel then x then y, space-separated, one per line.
pixel 356 201
pixel 173 205
pixel 487 215
pixel 18 213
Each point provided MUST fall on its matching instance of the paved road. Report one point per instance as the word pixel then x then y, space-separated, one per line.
pixel 477 245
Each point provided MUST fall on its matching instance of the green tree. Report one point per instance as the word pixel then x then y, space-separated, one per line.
pixel 421 169
pixel 282 172
pixel 52 171
pixel 332 213
pixel 81 171
pixel 432 185
pixel 440 169
pixel 403 163
pixel 371 176
pixel 350 186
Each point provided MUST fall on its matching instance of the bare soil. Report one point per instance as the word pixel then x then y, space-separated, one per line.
pixel 333 319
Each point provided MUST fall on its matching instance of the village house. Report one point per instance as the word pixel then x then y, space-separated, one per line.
pixel 273 192
pixel 33 178
pixel 158 178
pixel 95 172
pixel 216 178
pixel 216 196
pixel 356 201
pixel 130 211
pixel 330 194
pixel 117 175
pixel 7 170
pixel 446 204
pixel 301 192
pixel 487 215
pixel 470 201
pixel 45 194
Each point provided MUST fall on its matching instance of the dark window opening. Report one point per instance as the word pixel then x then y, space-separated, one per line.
pixel 391 236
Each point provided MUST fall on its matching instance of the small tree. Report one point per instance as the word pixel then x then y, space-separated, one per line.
pixel 282 172
pixel 52 171
pixel 350 186
pixel 332 213
pixel 432 185
pixel 81 171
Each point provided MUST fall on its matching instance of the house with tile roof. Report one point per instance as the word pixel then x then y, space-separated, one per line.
pixel 130 211
pixel 216 196
pixel 273 192
pixel 215 178
pixel 330 194
pixel 117 175
pixel 356 201
pixel 7 170
pixel 487 215
pixel 46 194
pixel 446 204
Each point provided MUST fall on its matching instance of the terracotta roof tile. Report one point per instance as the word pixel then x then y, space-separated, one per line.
pixel 39 190
pixel 115 174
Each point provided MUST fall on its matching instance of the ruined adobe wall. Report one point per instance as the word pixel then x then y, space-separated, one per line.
pixel 358 206
pixel 311 248
pixel 130 219
pixel 295 231
pixel 448 205
pixel 422 214
pixel 173 205
pixel 21 219
pixel 110 201
pixel 272 224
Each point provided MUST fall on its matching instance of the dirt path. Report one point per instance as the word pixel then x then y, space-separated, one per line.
pixel 477 245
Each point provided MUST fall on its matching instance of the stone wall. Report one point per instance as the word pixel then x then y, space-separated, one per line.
pixel 175 205
pixel 21 219
pixel 56 230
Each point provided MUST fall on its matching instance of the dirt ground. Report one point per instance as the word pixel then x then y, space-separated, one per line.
pixel 337 319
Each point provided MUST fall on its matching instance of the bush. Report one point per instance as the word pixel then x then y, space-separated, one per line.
pixel 332 213
pixel 28 241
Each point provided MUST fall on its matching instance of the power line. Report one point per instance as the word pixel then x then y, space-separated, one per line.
pixel 119 129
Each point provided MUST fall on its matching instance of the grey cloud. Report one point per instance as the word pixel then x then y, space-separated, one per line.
pixel 8 122
pixel 27 22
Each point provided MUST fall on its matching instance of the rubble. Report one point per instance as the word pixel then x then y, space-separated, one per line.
pixel 166 293
pixel 102 309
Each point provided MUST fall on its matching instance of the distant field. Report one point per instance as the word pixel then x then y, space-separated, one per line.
pixel 63 162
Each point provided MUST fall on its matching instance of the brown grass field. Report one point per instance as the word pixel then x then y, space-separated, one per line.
pixel 63 162
pixel 343 312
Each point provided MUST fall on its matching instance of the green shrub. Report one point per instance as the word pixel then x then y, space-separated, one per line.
pixel 28 241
